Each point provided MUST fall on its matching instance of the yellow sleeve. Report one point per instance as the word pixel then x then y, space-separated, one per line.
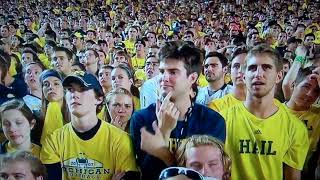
pixel 299 146
pixel 214 105
pixel 124 154
pixel 136 102
pixel 49 153
pixel 45 60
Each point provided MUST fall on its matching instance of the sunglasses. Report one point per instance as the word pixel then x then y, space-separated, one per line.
pixel 175 171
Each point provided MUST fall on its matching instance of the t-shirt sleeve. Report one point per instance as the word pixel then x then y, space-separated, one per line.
pixel 214 105
pixel 297 152
pixel 50 149
pixel 125 155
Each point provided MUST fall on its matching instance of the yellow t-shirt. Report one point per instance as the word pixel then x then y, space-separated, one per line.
pixel 35 149
pixel 259 147
pixel 129 46
pixel 225 102
pixel 53 120
pixel 136 103
pixel 45 60
pixel 202 82
pixel 137 63
pixel 109 151
pixel 311 119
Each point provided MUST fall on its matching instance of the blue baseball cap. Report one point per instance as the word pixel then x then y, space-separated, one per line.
pixel 84 79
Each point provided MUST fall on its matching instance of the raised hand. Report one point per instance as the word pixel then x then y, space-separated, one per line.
pixel 167 115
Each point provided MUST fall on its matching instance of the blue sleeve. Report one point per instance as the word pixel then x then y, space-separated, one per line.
pixel 150 166
pixel 54 171
pixel 19 87
pixel 209 122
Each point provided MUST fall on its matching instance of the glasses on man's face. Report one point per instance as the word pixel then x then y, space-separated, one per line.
pixel 175 171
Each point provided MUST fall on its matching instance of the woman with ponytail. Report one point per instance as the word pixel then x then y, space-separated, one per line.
pixel 54 109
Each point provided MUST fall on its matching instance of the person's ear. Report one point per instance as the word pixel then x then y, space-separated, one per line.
pixel 225 69
pixel 32 123
pixel 279 76
pixel 193 77
pixel 99 100
pixel 131 81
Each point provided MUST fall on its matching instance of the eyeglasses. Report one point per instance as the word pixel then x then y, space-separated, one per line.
pixel 175 171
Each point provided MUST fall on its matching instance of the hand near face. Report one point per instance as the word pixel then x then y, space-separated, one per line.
pixel 167 115
pixel 118 123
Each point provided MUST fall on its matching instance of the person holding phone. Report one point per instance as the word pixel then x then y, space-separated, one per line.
pixel 158 129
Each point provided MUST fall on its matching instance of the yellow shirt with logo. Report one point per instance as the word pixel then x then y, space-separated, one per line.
pixel 311 119
pixel 109 151
pixel 259 147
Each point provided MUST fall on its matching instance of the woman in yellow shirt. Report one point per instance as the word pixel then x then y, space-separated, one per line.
pixel 17 122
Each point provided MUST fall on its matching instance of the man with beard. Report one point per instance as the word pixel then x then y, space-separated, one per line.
pixel 215 69
pixel 238 90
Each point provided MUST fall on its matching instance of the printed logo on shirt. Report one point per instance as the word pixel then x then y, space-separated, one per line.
pixel 84 168
pixel 174 143
pixel 262 147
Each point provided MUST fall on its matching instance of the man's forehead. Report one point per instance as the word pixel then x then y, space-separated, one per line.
pixel 212 60
pixel 260 60
pixel 171 63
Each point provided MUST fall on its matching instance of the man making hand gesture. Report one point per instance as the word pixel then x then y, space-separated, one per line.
pixel 158 130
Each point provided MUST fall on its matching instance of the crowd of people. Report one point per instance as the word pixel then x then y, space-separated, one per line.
pixel 172 89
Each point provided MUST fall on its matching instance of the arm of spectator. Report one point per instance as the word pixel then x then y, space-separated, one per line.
pixel 156 144
pixel 287 84
pixel 291 173
pixel 42 30
pixel 150 165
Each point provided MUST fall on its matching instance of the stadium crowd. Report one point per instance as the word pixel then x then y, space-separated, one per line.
pixel 172 89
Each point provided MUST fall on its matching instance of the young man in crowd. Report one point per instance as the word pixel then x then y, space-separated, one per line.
pixel 175 116
pixel 264 141
pixel 62 59
pixel 305 93
pixel 86 141
pixel 238 90
pixel 215 69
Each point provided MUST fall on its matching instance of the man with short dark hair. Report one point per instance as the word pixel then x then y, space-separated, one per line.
pixel 215 69
pixel 175 116
pixel 62 59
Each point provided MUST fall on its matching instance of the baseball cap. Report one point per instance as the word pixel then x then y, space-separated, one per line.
pixel 86 80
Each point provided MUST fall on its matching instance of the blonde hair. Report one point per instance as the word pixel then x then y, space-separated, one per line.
pixel 37 168
pixel 204 140
pixel 110 95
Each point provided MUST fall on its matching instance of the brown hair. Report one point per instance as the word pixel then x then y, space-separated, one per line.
pixel 17 105
pixel 182 51
pixel 264 49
